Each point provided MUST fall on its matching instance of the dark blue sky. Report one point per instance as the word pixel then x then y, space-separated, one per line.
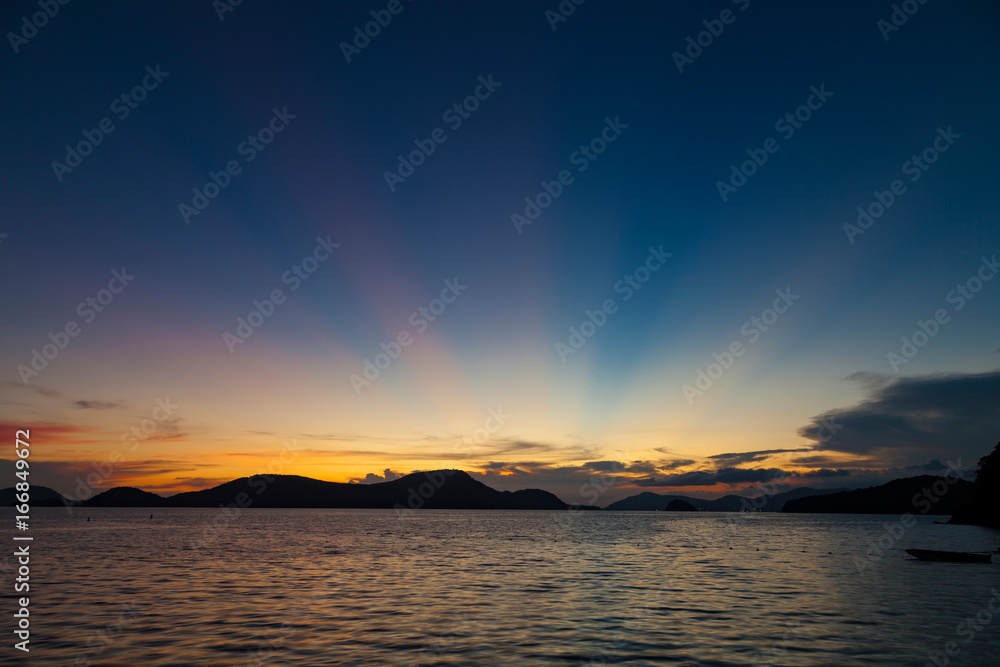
pixel 655 185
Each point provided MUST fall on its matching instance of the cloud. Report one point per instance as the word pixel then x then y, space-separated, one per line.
pixel 728 476
pixel 53 433
pixel 467 454
pixel 863 475
pixel 374 478
pixel 826 472
pixel 168 429
pixel 917 418
pixel 602 482
pixel 732 477
pixel 739 458
pixel 498 447
pixel 97 405
pixel 674 464
pixel 695 478
pixel 84 478
pixel 593 483
pixel 824 460
pixel 870 381
pixel 603 465
pixel 343 437
pixel 54 394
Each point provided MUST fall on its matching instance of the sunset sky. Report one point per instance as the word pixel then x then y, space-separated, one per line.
pixel 486 383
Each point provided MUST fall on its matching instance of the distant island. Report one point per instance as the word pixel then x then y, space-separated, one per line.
pixel 41 496
pixel 976 504
pixel 436 489
pixel 649 501
pixel 926 494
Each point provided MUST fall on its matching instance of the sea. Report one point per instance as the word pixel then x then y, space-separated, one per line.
pixel 444 587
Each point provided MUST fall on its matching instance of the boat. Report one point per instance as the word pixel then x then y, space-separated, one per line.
pixel 949 556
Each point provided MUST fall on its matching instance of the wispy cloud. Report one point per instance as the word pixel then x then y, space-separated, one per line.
pixel 67 477
pixel 54 432
pixel 740 458
pixel 673 464
pixel 97 405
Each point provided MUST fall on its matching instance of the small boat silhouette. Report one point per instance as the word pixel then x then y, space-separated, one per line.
pixel 949 556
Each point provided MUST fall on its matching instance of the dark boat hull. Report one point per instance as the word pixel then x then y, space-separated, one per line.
pixel 949 556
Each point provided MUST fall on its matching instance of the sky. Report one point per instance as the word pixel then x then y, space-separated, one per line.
pixel 588 248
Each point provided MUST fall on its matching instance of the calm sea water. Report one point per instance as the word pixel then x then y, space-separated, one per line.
pixel 366 587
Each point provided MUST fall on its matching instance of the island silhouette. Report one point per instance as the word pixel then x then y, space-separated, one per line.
pixel 436 489
pixel 975 503
pixel 678 505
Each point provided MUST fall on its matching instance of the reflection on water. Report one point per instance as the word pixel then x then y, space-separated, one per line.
pixel 365 587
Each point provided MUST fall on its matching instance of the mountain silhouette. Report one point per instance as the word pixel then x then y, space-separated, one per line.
pixel 678 505
pixel 39 496
pixel 926 494
pixel 127 496
pixel 648 501
pixel 437 489
pixel 984 508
